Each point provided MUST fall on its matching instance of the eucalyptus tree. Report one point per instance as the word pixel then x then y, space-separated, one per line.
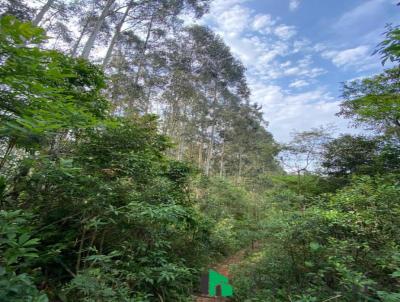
pixel 88 11
pixel 130 92
pixel 42 11
pixel 54 16
pixel 96 28
pixel 148 17
pixel 250 148
pixel 217 71
pixel 207 110
pixel 136 55
pixel 182 98
pixel 117 32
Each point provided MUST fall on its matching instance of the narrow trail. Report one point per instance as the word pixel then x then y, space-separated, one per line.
pixel 224 269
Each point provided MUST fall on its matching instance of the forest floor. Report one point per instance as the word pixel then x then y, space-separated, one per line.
pixel 224 269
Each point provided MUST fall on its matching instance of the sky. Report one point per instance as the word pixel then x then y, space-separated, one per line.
pixel 298 52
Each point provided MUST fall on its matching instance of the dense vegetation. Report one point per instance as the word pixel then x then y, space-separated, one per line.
pixel 103 200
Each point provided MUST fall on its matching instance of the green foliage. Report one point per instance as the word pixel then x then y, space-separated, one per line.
pixel 347 155
pixel 43 91
pixel 17 250
pixel 389 49
pixel 234 214
pixel 307 185
pixel 374 101
pixel 346 246
pixel 114 214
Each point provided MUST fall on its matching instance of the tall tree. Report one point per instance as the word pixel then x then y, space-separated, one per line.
pixel 116 34
pixel 152 16
pixel 43 10
pixel 93 35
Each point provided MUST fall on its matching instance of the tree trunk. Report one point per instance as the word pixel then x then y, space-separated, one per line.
pixel 143 51
pixel 240 168
pixel 80 251
pixel 92 38
pixel 181 148
pixel 116 36
pixel 75 49
pixel 56 41
pixel 181 133
pixel 42 12
pixel 9 149
pixel 212 138
pixel 221 167
pixel 210 150
pixel 298 182
pixel 200 158
pixel 148 107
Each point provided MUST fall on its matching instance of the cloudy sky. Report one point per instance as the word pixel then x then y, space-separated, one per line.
pixel 297 52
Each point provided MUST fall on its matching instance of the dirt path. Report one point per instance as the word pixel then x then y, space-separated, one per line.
pixel 224 269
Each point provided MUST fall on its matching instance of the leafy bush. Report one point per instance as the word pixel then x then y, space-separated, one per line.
pixel 114 216
pixel 17 250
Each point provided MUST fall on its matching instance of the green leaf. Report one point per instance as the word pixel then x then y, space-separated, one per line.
pixel 314 246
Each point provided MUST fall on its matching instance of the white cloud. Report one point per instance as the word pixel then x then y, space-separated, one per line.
pixel 285 32
pixel 358 58
pixel 263 23
pixel 268 67
pixel 235 20
pixel 287 112
pixel 319 47
pixel 299 84
pixel 365 11
pixel 222 5
pixel 347 56
pixel 302 45
pixel 303 67
pixel 294 4
pixel 257 39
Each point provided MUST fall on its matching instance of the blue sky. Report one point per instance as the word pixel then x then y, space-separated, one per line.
pixel 297 52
